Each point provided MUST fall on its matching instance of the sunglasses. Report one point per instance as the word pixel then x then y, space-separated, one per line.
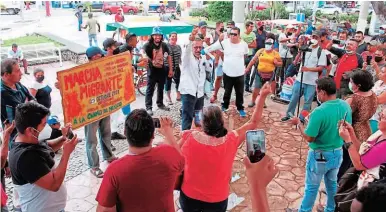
pixel 233 34
pixel 268 43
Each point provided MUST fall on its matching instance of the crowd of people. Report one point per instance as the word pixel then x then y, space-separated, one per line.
pixel 345 131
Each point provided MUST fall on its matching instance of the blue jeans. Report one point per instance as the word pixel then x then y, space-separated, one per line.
pixel 315 171
pixel 189 105
pixel 308 91
pixel 80 25
pixel 104 128
pixel 92 37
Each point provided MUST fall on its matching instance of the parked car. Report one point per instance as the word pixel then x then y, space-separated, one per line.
pixel 329 9
pixel 355 10
pixel 112 8
pixel 10 7
pixel 95 5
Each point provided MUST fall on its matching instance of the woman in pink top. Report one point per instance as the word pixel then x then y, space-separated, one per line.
pixel 209 156
pixel 368 156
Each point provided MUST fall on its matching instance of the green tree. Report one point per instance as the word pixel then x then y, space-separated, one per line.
pixel 220 11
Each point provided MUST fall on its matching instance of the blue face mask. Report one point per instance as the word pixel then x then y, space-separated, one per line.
pixel 381 31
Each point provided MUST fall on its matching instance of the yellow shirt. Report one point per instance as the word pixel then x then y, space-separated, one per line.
pixel 266 64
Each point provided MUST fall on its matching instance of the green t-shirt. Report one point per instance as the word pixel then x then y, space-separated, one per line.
pixel 323 124
pixel 249 38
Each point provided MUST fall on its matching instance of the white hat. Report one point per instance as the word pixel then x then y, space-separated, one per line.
pixel 290 26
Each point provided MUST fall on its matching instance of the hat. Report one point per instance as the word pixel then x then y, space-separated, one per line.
pixel 290 26
pixel 129 35
pixel 156 31
pixel 109 42
pixel 53 120
pixel 202 24
pixel 231 23
pixel 317 33
pixel 373 43
pixel 93 50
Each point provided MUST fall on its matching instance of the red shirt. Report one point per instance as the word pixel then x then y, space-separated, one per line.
pixel 119 18
pixel 325 43
pixel 142 182
pixel 208 169
pixel 346 63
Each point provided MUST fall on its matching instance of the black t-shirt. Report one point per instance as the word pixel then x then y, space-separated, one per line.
pixel 148 48
pixel 30 162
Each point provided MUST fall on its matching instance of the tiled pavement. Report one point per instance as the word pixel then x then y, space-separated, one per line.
pixel 284 145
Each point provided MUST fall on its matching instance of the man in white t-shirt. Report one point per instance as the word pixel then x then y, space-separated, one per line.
pixel 314 63
pixel 235 51
pixel 287 39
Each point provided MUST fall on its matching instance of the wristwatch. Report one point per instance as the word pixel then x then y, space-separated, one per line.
pixel 347 145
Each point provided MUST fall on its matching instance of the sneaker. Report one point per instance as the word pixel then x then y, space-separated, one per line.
pixel 163 107
pixel 285 118
pixel 150 112
pixel 248 90
pixel 242 113
pixel 117 136
pixel 252 104
pixel 113 147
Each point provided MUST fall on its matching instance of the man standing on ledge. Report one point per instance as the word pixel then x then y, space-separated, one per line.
pixel 156 50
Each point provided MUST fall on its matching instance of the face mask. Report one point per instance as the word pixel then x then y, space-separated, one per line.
pixel 314 42
pixel 45 134
pixel 378 59
pixel 261 28
pixel 381 31
pixel 342 42
pixel 289 33
pixel 229 30
pixel 40 79
pixel 268 46
pixel 221 30
pixel 317 99
pixel 350 87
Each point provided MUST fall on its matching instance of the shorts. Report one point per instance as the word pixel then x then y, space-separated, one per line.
pixel 219 71
pixel 259 82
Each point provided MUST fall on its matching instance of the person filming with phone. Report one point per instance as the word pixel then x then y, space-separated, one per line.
pixel 206 188
pixel 325 153
pixel 374 64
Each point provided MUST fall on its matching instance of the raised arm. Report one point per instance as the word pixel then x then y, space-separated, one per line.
pixel 257 113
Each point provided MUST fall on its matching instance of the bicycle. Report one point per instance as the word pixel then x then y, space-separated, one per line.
pixel 140 81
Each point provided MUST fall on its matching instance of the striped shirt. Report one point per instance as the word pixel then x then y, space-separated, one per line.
pixel 175 53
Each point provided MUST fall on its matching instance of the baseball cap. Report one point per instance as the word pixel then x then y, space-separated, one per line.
pixel 231 23
pixel 108 43
pixel 53 120
pixel 93 50
pixel 202 24
pixel 129 35
pixel 156 31
pixel 317 33
pixel 290 26
pixel 373 43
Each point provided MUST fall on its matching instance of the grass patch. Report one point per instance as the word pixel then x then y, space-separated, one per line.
pixel 28 40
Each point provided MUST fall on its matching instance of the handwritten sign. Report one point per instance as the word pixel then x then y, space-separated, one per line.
pixel 96 89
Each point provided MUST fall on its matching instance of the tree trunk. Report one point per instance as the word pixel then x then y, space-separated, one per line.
pixel 380 10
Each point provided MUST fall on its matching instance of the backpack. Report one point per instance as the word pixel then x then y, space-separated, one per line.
pixel 158 58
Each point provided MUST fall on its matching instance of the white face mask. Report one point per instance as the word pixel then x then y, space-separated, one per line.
pixel 268 46
pixel 45 134
pixel 314 42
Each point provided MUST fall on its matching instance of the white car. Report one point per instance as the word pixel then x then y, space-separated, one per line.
pixel 10 7
pixel 356 10
pixel 329 9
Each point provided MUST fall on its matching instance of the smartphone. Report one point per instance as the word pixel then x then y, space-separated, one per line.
pixel 344 119
pixel 157 123
pixel 70 135
pixel 197 118
pixel 335 41
pixel 10 113
pixel 368 59
pixel 255 145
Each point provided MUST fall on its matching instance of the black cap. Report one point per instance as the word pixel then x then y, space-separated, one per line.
pixel 231 23
pixel 108 43
pixel 129 35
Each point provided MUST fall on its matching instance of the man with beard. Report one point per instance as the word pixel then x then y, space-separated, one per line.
pixel 362 45
pixel 156 50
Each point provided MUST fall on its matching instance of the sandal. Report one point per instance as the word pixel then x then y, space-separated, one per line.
pixel 97 172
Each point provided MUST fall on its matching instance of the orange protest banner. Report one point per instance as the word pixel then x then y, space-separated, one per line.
pixel 96 89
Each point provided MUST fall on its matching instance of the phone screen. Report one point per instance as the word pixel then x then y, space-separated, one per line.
pixel 10 114
pixel 368 60
pixel 344 119
pixel 197 118
pixel 255 145
pixel 157 123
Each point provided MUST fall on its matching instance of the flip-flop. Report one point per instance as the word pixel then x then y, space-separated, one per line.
pixel 97 172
